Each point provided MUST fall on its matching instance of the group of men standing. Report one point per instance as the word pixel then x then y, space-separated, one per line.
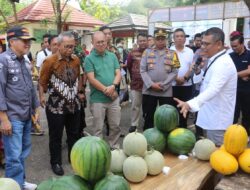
pixel 159 75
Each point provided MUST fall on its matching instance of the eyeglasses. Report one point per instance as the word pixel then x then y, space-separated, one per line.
pixel 69 46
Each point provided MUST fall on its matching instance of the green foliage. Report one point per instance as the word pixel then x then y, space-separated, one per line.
pixel 6 9
pixel 103 11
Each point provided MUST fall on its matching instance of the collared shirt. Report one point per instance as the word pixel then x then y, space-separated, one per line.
pixel 60 78
pixel 186 58
pixel 158 66
pixel 17 93
pixel 216 101
pixel 41 57
pixel 133 65
pixel 242 62
pixel 104 67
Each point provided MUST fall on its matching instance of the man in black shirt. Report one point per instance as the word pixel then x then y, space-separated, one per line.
pixel 241 58
pixel 197 42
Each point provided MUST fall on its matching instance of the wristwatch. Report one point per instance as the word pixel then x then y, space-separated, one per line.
pixel 116 85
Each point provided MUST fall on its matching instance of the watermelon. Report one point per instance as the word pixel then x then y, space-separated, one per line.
pixel 73 182
pixel 166 118
pixel 155 139
pixel 90 158
pixel 112 182
pixel 181 141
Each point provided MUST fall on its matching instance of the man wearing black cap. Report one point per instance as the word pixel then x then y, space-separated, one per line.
pixel 158 69
pixel 18 101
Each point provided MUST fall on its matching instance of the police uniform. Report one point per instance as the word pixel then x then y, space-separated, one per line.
pixel 157 66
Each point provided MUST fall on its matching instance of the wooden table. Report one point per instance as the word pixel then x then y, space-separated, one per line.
pixel 190 174
pixel 238 181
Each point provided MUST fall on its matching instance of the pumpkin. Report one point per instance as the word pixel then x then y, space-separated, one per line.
pixel 135 144
pixel 244 160
pixel 112 182
pixel 181 141
pixel 155 162
pixel 203 148
pixel 73 182
pixel 117 159
pixel 166 118
pixel 135 169
pixel 223 162
pixel 155 139
pixel 9 184
pixel 90 158
pixel 235 139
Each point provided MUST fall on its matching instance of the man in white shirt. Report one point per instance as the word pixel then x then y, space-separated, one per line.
pixel 43 53
pixel 216 101
pixel 182 86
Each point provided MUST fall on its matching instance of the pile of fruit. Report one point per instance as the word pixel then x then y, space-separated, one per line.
pixel 90 160
pixel 98 168
pixel 134 161
pixel 233 153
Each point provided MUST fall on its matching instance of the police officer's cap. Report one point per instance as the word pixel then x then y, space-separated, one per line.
pixel 160 33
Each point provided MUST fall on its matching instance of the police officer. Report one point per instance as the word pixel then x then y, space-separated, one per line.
pixel 158 69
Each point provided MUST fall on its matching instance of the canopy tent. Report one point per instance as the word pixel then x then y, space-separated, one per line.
pixel 213 11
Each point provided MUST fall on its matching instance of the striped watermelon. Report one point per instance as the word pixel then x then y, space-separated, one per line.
pixel 90 158
pixel 73 182
pixel 181 141
pixel 155 139
pixel 166 118
pixel 112 182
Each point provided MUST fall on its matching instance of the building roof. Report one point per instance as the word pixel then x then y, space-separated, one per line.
pixel 43 10
pixel 133 21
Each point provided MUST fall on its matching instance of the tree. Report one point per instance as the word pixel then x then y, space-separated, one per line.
pixel 103 11
pixel 9 8
pixel 58 13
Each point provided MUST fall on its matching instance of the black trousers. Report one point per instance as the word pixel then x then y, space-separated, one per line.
pixel 243 106
pixel 56 123
pixel 183 93
pixel 149 105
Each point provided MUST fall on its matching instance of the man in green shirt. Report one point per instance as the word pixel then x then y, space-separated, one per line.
pixel 103 73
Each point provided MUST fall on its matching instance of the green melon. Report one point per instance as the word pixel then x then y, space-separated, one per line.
pixel 166 118
pixel 90 158
pixel 134 144
pixel 203 148
pixel 117 159
pixel 135 169
pixel 181 141
pixel 73 182
pixel 8 184
pixel 155 139
pixel 112 182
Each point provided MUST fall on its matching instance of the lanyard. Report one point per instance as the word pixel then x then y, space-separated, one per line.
pixel 211 64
